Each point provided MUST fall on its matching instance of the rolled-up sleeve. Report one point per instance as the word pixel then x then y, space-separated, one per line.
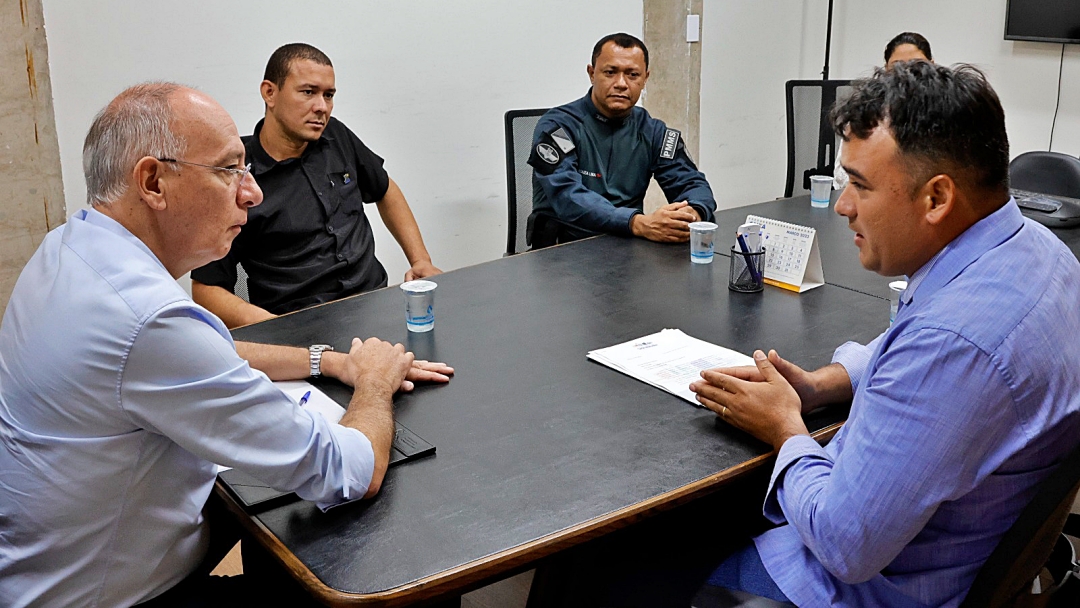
pixel 184 380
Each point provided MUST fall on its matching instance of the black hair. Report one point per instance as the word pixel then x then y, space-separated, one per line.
pixel 625 41
pixel 277 67
pixel 944 120
pixel 918 40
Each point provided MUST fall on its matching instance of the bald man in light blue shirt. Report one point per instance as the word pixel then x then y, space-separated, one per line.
pixel 119 395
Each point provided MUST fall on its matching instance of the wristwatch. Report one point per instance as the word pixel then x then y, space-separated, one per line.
pixel 315 352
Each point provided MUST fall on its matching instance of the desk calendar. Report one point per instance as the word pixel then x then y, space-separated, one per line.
pixel 792 259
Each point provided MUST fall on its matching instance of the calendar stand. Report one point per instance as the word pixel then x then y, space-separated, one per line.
pixel 792 258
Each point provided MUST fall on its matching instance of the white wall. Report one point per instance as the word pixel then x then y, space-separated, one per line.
pixel 1024 74
pixel 423 83
pixel 751 47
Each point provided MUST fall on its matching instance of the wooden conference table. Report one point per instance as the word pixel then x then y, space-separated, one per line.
pixel 540 449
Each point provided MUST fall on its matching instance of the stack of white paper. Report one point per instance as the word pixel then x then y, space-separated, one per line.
pixel 669 360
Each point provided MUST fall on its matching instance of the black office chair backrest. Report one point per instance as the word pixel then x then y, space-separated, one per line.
pixel 520 125
pixel 1046 173
pixel 811 142
pixel 240 289
pixel 1019 556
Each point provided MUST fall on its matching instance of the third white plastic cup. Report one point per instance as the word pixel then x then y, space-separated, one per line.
pixel 820 190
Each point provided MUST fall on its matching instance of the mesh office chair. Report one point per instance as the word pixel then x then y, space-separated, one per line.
pixel 811 142
pixel 1035 541
pixel 520 125
pixel 1046 173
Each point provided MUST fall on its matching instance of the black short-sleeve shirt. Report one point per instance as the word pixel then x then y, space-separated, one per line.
pixel 309 241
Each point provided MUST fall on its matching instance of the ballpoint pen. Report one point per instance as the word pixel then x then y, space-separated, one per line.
pixel 304 399
pixel 749 259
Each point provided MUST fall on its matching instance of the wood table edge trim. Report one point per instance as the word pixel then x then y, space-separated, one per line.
pixel 471 572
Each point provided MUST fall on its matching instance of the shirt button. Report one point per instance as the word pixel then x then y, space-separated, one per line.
pixel 330 229
pixel 341 257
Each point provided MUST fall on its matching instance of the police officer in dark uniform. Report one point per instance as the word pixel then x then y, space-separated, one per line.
pixel 310 241
pixel 593 158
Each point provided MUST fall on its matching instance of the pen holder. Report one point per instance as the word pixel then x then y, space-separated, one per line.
pixel 747 271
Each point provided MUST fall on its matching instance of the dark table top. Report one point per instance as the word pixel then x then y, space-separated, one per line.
pixel 537 446
pixel 839 255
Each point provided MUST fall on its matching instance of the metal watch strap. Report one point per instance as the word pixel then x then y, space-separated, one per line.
pixel 315 352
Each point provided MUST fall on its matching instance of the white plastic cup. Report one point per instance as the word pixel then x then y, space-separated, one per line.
pixel 895 288
pixel 701 242
pixel 419 305
pixel 820 190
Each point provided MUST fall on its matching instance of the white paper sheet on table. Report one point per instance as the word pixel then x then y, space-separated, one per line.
pixel 669 360
pixel 317 402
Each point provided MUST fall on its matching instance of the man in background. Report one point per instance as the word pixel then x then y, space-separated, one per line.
pixel 310 241
pixel 593 158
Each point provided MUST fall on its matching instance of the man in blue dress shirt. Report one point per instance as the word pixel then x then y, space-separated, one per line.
pixel 958 411
pixel 119 396
pixel 960 408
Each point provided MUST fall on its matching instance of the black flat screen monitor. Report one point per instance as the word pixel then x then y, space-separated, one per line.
pixel 1043 20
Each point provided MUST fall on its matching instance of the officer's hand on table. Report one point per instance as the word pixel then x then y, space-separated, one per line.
pixel 421 270
pixel 769 409
pixel 668 224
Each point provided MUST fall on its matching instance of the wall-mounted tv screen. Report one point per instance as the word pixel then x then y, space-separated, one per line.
pixel 1043 20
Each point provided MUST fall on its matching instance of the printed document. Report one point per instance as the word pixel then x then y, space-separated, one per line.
pixel 669 360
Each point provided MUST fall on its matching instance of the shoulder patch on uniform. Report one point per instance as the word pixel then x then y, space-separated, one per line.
pixel 562 140
pixel 548 153
pixel 671 144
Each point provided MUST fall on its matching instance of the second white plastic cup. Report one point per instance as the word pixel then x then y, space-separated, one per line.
pixel 701 242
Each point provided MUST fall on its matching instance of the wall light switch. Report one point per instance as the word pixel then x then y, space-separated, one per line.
pixel 693 28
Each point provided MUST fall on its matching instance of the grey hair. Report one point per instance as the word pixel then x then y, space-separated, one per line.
pixel 134 125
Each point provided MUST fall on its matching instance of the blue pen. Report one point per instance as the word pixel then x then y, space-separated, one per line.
pixel 304 399
pixel 749 259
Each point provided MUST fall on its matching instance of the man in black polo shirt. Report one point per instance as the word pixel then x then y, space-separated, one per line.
pixel 310 241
